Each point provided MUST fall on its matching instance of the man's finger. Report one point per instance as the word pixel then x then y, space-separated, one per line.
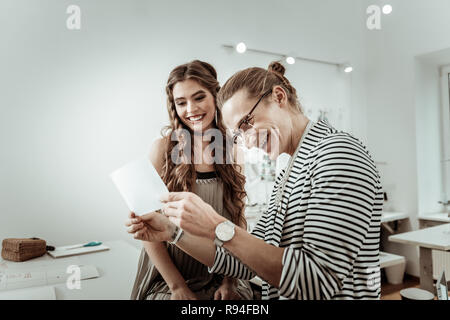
pixel 149 216
pixel 138 235
pixel 175 221
pixel 133 221
pixel 135 227
pixel 173 196
pixel 177 206
pixel 171 211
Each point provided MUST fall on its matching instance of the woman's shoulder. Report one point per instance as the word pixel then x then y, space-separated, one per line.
pixel 157 153
pixel 159 143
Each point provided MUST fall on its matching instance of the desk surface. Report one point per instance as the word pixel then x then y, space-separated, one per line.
pixel 117 269
pixel 434 238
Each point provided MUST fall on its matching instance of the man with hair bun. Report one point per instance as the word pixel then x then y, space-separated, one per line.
pixel 319 237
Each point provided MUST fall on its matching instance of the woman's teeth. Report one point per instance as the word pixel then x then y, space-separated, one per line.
pixel 196 118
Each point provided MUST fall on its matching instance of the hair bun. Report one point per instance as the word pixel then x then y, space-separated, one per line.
pixel 276 67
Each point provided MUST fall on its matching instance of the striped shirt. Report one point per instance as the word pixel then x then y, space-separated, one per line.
pixel 329 223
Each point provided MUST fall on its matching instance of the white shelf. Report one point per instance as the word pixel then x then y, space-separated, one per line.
pixel 389 259
pixel 392 216
pixel 438 217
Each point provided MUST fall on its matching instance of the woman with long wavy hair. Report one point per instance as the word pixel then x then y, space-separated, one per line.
pixel 164 271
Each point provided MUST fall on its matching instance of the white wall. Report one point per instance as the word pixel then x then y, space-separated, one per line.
pixel 430 154
pixel 75 105
pixel 414 28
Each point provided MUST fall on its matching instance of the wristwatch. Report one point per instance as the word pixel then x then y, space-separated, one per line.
pixel 176 235
pixel 224 232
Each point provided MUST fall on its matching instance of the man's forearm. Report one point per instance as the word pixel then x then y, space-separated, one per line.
pixel 262 258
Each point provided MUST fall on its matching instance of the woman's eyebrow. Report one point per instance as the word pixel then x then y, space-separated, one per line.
pixel 183 98
pixel 199 91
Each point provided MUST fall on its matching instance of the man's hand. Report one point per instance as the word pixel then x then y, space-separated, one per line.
pixel 152 227
pixel 188 211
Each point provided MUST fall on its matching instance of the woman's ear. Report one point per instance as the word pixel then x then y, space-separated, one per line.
pixel 279 96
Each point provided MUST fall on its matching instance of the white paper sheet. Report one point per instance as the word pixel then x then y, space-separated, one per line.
pixel 37 264
pixel 36 293
pixel 140 186
pixel 14 275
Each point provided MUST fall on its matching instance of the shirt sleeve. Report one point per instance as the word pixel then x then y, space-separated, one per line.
pixel 227 264
pixel 344 185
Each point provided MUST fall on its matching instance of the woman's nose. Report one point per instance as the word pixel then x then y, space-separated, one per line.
pixel 191 107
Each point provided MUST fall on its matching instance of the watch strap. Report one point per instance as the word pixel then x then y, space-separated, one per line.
pixel 177 233
pixel 218 242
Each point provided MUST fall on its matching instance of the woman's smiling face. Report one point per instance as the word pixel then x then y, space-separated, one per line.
pixel 194 104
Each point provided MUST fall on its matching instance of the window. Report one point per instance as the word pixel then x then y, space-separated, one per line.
pixel 445 88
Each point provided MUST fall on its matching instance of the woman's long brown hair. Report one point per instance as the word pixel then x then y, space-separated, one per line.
pixel 182 176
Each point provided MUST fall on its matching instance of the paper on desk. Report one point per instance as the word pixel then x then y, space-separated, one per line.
pixel 37 264
pixel 140 185
pixel 35 293
pixel 43 276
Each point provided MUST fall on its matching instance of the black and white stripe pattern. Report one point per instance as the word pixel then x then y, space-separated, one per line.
pixel 329 223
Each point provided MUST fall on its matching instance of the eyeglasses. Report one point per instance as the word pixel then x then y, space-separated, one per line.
pixel 237 134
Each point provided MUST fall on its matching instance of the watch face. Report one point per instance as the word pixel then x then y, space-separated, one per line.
pixel 225 231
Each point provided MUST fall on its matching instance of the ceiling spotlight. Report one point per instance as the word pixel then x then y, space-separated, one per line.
pixel 241 47
pixel 290 60
pixel 387 9
pixel 348 69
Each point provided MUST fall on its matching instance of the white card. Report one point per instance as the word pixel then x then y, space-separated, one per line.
pixel 140 186
pixel 35 293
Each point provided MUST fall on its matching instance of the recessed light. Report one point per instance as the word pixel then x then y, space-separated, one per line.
pixel 290 60
pixel 348 69
pixel 387 9
pixel 241 47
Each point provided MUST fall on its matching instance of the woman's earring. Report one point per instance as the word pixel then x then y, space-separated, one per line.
pixel 215 116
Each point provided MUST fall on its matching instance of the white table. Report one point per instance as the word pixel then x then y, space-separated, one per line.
pixel 441 217
pixel 434 238
pixel 117 269
pixel 387 216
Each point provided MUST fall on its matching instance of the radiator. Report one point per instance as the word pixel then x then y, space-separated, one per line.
pixel 441 261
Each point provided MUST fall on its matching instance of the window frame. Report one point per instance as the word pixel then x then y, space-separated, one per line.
pixel 445 129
